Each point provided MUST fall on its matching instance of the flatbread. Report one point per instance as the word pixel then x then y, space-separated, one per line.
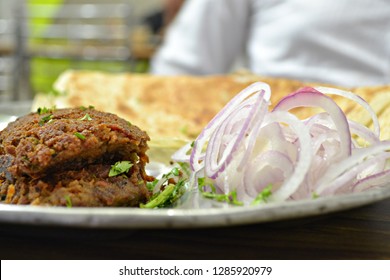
pixel 167 107
pixel 178 107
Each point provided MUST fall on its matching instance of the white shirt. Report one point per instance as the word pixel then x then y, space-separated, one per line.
pixel 341 42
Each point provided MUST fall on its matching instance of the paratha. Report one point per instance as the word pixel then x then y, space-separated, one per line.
pixel 176 108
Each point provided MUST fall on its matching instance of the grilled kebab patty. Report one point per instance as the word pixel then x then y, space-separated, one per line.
pixel 62 157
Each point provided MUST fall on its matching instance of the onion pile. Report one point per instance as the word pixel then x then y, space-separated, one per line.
pixel 248 148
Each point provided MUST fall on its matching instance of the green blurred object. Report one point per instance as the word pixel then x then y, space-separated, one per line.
pixel 39 24
pixel 142 66
pixel 39 67
pixel 45 69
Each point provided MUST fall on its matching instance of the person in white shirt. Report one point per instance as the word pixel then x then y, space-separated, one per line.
pixel 343 42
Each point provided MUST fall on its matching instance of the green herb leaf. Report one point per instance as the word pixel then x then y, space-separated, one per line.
pixel 86 117
pixel 68 201
pixel 79 135
pixel 230 197
pixel 204 182
pixel 83 108
pixel 151 185
pixel 175 171
pixel 171 188
pixel 167 197
pixel 159 199
pixel 45 110
pixel 120 167
pixel 45 119
pixel 263 195
pixel 185 168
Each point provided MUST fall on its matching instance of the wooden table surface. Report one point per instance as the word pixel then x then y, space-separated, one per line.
pixel 361 233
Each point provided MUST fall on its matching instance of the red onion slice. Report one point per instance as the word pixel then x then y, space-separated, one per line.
pixel 339 168
pixel 372 181
pixel 216 121
pixel 246 147
pixel 357 99
pixel 348 178
pixel 302 165
pixel 217 157
pixel 308 97
pixel 256 177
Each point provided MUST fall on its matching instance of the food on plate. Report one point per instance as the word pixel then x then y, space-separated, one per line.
pixel 303 141
pixel 73 157
pixel 250 154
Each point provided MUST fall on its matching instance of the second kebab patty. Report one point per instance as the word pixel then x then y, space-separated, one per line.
pixel 89 187
pixel 57 140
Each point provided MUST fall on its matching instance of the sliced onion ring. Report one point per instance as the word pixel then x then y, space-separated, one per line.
pixel 317 156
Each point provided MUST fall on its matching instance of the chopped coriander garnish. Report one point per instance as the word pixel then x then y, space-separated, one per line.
pixel 167 197
pixel 171 188
pixel 175 171
pixel 79 135
pixel 165 177
pixel 230 197
pixel 45 119
pixel 86 117
pixel 315 195
pixel 159 199
pixel 185 168
pixel 263 195
pixel 45 110
pixel 68 201
pixel 120 167
pixel 83 108
pixel 151 185
pixel 42 110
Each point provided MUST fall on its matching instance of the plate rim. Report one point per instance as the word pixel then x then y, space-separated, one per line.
pixel 136 218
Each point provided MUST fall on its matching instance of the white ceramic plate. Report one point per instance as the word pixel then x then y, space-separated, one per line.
pixel 184 218
pixel 5 119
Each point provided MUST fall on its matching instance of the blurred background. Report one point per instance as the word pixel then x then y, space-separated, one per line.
pixel 39 39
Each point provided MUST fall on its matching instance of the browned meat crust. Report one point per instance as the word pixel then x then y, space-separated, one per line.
pixel 90 186
pixel 64 156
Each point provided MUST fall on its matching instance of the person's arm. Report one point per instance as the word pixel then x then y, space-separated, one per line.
pixel 205 38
